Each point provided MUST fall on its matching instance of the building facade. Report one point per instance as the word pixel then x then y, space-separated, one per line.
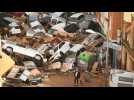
pixel 111 22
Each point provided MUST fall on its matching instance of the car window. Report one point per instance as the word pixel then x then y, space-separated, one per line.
pixel 54 21
pixel 35 27
pixel 61 44
pixel 72 19
pixel 17 27
pixel 56 49
pixel 80 17
pixel 51 31
pixel 97 37
pixel 59 22
pixel 63 15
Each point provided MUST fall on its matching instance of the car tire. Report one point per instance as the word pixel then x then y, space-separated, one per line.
pixel 38 60
pixel 9 50
pixel 38 57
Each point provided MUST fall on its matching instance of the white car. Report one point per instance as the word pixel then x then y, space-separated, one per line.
pixel 56 18
pixel 42 48
pixel 14 48
pixel 63 47
pixel 15 30
pixel 76 48
pixel 37 27
pixel 59 27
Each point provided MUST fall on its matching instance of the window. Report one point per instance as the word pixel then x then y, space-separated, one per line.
pixel 54 21
pixel 63 15
pixel 80 17
pixel 61 44
pixel 56 48
pixel 97 37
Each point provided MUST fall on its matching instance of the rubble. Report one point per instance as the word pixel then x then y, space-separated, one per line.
pixel 66 67
pixel 51 41
pixel 56 65
pixel 121 78
pixel 29 64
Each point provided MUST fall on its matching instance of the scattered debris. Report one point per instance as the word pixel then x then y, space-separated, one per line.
pixel 56 65
pixel 121 78
pixel 41 41
pixel 29 64
pixel 66 67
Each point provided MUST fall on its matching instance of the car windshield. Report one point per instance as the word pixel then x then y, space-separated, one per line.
pixel 73 19
pixel 17 27
pixel 80 17
pixel 51 31
pixel 59 46
pixel 71 54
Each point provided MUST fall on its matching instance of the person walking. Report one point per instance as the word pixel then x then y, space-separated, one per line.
pixel 76 77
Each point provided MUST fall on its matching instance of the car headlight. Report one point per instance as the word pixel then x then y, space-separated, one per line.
pixel 45 60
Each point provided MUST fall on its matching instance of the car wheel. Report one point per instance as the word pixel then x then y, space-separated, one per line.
pixel 9 50
pixel 38 57
pixel 38 60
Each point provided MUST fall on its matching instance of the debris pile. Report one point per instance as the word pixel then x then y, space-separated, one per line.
pixel 39 42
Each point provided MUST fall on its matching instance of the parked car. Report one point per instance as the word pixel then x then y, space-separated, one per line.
pixel 13 47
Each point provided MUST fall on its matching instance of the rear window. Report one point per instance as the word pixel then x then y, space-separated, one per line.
pixel 54 21
pixel 56 49
pixel 80 17
pixel 97 37
pixel 60 45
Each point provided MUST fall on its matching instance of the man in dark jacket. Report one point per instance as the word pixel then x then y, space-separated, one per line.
pixel 76 76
